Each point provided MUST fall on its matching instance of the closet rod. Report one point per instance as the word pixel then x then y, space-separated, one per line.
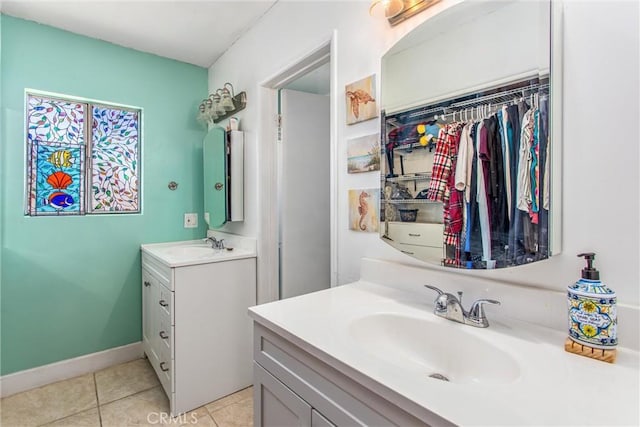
pixel 469 101
pixel 500 97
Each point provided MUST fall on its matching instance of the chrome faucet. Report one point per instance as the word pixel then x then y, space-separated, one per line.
pixel 450 307
pixel 215 243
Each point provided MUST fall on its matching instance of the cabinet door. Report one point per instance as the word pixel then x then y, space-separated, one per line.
pixel 149 314
pixel 215 171
pixel 275 405
pixel 317 420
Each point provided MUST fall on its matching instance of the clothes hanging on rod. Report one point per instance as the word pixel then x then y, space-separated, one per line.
pixel 492 176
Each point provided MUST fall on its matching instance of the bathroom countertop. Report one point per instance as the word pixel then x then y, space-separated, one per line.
pixel 194 252
pixel 552 387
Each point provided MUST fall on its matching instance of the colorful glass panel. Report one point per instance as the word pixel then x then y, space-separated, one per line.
pixel 58 185
pixel 114 157
pixel 56 154
pixel 55 120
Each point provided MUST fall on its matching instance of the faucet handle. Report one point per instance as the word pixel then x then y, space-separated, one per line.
pixel 440 301
pixel 433 288
pixel 476 312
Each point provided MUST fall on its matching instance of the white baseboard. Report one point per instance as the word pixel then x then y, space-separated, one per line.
pixel 65 369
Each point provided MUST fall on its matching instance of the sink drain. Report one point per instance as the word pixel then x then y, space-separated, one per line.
pixel 439 377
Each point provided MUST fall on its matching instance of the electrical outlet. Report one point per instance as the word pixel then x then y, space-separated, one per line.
pixel 190 220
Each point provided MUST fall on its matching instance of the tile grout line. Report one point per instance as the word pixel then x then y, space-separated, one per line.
pixel 226 406
pixel 95 387
pixel 73 414
pixel 230 403
pixel 132 394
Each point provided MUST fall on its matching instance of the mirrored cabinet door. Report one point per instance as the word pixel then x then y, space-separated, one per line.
pixel 215 177
pixel 465 139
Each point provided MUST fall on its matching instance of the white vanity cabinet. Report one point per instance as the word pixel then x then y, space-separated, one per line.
pixel 293 387
pixel 196 332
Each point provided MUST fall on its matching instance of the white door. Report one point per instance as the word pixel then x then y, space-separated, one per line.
pixel 305 264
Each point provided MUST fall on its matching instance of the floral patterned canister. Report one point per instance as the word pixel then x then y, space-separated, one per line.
pixel 592 314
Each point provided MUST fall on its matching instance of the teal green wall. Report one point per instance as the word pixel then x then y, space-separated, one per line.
pixel 71 285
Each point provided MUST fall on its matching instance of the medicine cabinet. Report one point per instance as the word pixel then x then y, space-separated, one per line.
pixel 223 166
pixel 462 66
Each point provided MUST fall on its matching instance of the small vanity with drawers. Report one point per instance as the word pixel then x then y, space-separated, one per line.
pixel 196 333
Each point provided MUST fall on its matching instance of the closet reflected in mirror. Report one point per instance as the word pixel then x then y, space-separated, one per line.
pixel 466 139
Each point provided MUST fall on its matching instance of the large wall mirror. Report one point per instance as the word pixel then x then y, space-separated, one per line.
pixel 469 159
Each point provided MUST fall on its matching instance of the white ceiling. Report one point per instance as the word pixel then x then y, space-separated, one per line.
pixel 197 32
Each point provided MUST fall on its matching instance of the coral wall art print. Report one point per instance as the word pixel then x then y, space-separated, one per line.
pixel 361 100
pixel 363 210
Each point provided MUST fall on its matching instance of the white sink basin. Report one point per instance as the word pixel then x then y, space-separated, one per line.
pixel 433 348
pixel 192 251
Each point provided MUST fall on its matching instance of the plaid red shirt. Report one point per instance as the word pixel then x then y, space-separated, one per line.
pixel 442 185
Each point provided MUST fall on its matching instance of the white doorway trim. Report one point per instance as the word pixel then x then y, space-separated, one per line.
pixel 268 289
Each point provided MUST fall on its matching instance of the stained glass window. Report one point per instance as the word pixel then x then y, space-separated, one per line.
pixel 114 156
pixel 62 149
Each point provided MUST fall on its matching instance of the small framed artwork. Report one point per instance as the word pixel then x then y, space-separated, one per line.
pixel 363 154
pixel 363 210
pixel 361 100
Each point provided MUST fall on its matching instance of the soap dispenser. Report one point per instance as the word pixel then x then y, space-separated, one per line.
pixel 592 315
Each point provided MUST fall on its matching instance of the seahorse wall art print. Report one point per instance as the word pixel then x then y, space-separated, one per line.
pixel 363 210
pixel 361 100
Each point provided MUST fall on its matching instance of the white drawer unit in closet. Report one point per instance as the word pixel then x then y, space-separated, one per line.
pixel 196 332
pixel 417 239
pixel 413 233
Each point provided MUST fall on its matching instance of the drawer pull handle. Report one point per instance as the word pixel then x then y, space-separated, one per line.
pixel 414 235
pixel 163 303
pixel 147 284
pixel 163 335
pixel 162 368
pixel 407 252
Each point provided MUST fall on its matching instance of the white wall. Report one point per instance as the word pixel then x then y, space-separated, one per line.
pixel 600 145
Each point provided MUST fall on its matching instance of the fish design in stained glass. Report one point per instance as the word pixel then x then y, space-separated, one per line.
pixel 58 184
pixel 114 156
pixel 54 120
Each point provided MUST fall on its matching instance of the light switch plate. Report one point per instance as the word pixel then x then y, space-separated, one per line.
pixel 190 220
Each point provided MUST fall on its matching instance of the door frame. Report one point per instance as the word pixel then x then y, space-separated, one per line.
pixel 268 253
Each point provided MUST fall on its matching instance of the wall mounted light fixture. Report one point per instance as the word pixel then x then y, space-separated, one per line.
pixel 397 11
pixel 221 104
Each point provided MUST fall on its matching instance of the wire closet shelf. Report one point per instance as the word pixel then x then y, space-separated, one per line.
pixel 485 101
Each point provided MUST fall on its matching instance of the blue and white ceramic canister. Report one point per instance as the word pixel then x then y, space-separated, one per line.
pixel 592 309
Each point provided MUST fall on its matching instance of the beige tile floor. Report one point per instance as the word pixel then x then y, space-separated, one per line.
pixel 124 395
